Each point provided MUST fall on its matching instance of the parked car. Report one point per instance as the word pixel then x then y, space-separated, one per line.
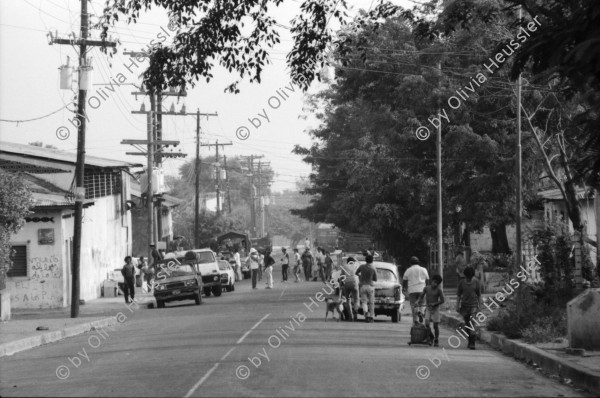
pixel 206 263
pixel 227 275
pixel 176 281
pixel 389 299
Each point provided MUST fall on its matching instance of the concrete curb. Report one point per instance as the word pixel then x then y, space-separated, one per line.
pixel 13 347
pixel 580 376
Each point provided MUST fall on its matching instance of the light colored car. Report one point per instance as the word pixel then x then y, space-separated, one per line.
pixel 227 275
pixel 389 299
pixel 207 264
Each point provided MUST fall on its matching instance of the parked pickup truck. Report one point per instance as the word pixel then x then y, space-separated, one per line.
pixel 175 281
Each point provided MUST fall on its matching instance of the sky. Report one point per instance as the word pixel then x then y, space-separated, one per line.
pixel 30 89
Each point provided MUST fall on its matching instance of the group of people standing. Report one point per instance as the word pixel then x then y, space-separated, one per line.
pixel 315 267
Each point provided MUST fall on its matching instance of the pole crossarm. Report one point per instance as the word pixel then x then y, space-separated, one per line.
pixel 79 42
pixel 146 142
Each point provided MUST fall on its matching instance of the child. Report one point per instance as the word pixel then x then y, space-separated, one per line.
pixel 468 299
pixel 434 297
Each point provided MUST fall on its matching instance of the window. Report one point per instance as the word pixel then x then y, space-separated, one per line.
pixel 18 257
pixel 101 183
pixel 385 275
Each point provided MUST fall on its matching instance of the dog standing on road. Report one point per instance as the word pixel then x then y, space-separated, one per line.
pixel 334 306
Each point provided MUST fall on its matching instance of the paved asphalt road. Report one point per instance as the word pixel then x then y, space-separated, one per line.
pixel 213 350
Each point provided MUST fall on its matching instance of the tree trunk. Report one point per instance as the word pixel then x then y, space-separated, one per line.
pixel 499 239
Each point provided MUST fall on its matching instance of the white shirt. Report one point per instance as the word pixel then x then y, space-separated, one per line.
pixel 253 260
pixel 236 258
pixel 416 277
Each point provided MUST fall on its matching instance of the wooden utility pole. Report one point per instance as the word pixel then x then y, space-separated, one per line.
pixel 250 160
pixel 218 169
pixel 440 242
pixel 80 165
pixel 159 142
pixel 519 209
pixel 197 170
pixel 227 184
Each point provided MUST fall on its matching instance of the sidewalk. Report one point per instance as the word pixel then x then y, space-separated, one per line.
pixel 20 333
pixel 551 358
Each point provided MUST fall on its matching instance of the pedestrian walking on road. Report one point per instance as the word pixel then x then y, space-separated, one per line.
pixel 297 265
pixel 319 270
pixel 261 263
pixel 414 281
pixel 434 297
pixel 253 264
pixel 269 262
pixel 238 264
pixel 307 263
pixel 350 288
pixel 128 272
pixel 285 264
pixel 468 301
pixel 328 267
pixel 367 275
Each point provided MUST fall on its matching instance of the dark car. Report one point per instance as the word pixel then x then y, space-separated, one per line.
pixel 176 281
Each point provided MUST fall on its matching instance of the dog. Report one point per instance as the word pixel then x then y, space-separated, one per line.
pixel 333 306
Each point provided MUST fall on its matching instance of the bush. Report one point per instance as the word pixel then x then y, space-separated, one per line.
pixel 546 329
pixel 531 315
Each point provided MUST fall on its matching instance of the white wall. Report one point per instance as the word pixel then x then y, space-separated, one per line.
pixel 43 287
pixel 104 244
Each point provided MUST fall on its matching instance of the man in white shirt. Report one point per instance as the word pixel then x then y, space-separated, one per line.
pixel 254 265
pixel 415 279
pixel 238 264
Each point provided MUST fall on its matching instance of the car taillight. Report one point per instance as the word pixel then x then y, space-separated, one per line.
pixel 397 293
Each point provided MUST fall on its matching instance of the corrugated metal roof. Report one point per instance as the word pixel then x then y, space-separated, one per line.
pixel 60 155
pixel 555 194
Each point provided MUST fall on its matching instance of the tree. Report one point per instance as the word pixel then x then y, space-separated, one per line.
pixel 208 33
pixel 564 51
pixel 15 201
pixel 283 222
pixel 211 226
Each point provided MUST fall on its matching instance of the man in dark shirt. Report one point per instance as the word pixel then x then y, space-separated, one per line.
pixel 128 272
pixel 367 274
pixel 468 300
pixel 307 263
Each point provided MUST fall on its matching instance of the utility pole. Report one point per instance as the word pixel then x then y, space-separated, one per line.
pixel 440 242
pixel 260 202
pixel 519 209
pixel 227 184
pixel 80 165
pixel 218 176
pixel 250 160
pixel 159 141
pixel 198 169
pixel 261 199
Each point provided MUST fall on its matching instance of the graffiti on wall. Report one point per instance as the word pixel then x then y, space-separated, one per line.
pixel 43 268
pixel 35 294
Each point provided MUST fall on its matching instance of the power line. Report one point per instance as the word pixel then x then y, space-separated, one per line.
pixel 35 118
